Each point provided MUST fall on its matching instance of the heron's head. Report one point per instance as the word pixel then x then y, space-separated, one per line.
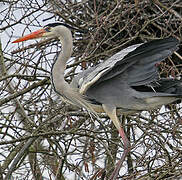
pixel 53 30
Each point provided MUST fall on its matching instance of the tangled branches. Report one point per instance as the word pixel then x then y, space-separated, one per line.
pixel 41 136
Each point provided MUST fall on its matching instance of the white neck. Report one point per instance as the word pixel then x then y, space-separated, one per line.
pixel 59 66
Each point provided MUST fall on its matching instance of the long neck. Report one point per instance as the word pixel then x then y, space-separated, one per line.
pixel 60 85
pixel 57 73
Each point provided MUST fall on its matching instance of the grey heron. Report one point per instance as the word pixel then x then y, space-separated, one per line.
pixel 126 83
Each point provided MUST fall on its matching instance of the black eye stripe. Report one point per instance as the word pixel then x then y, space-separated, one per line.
pixel 59 24
pixel 55 24
pixel 51 25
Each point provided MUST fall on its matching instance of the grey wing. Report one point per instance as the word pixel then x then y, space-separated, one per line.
pixel 136 64
pixel 87 78
pixel 139 66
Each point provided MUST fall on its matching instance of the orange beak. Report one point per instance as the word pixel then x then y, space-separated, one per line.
pixel 37 34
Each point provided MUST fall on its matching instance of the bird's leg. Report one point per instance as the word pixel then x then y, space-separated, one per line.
pixel 111 112
pixel 127 148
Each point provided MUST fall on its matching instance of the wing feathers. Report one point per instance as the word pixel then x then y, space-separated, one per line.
pixel 138 66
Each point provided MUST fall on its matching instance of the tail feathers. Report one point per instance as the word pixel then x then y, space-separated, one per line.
pixel 173 87
pixel 170 86
pixel 162 92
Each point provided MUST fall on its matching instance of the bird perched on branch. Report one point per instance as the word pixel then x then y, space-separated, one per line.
pixel 128 82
